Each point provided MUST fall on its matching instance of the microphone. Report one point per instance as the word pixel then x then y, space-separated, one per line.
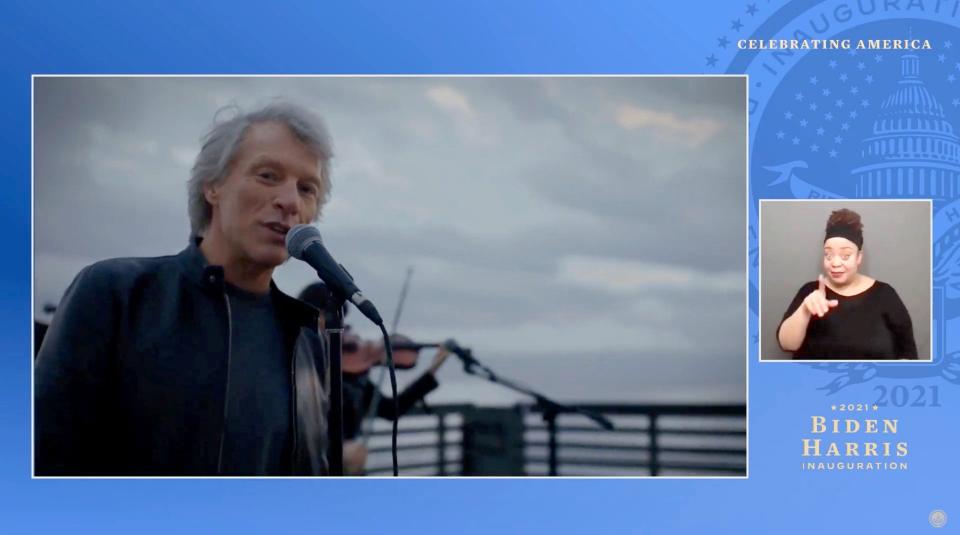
pixel 463 353
pixel 304 243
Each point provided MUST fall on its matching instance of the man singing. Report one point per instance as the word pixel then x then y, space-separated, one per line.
pixel 196 364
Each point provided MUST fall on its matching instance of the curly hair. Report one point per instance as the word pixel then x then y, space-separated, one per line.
pixel 845 223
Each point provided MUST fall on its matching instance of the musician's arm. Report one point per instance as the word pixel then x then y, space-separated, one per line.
pixel 410 395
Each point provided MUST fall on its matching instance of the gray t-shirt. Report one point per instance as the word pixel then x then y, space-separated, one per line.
pixel 258 427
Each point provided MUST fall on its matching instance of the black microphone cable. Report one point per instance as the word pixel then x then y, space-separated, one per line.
pixel 396 402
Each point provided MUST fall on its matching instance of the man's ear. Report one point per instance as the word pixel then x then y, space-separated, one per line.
pixel 211 193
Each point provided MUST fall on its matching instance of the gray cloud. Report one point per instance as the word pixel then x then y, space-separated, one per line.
pixel 487 186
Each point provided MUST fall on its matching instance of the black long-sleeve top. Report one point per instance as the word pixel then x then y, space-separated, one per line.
pixel 358 391
pixel 873 324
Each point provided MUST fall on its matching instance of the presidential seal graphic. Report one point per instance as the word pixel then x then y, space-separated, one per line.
pixel 875 121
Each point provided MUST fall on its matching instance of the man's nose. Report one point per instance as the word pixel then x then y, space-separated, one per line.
pixel 288 198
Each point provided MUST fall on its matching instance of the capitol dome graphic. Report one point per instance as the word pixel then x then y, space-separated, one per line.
pixel 913 152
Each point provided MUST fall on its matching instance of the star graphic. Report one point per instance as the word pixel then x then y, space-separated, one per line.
pixel 869 79
pixel 833 153
pixel 828 116
pixel 875 407
pixel 838 140
pixel 861 66
pixel 838 103
pixel 947 44
pixel 852 52
pixel 752 9
pixel 803 123
pixel 951 78
pixel 865 103
pixel 814 148
pixel 833 407
pixel 820 131
pixel 957 65
pixel 854 90
pixel 722 42
pixel 736 25
pixel 826 92
pixel 813 80
pixel 956 102
pixel 711 60
pixel 788 115
pixel 941 58
pixel 798 96
pixel 780 134
pixel 813 106
pixel 833 63
pixel 843 77
pixel 853 114
pixel 796 141
pixel 878 58
pixel 845 126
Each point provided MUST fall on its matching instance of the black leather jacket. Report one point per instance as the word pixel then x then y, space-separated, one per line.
pixel 132 375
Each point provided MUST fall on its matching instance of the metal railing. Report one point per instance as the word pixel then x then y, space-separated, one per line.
pixel 429 442
pixel 648 440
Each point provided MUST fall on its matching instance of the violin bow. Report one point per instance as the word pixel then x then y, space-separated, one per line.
pixel 403 299
pixel 372 410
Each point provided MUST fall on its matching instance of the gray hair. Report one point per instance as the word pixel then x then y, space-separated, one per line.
pixel 221 143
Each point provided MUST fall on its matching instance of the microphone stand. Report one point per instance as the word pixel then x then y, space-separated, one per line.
pixel 549 407
pixel 334 332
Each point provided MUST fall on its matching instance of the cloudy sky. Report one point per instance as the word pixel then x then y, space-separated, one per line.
pixel 577 224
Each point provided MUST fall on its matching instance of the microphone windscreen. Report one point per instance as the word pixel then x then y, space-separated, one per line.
pixel 300 237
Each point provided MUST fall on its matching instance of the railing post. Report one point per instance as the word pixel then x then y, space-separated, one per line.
pixel 654 447
pixel 442 444
pixel 493 442
pixel 551 418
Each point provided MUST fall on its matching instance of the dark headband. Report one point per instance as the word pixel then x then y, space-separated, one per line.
pixel 845 231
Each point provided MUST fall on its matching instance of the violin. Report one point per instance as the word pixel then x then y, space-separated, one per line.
pixel 358 355
pixel 361 355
